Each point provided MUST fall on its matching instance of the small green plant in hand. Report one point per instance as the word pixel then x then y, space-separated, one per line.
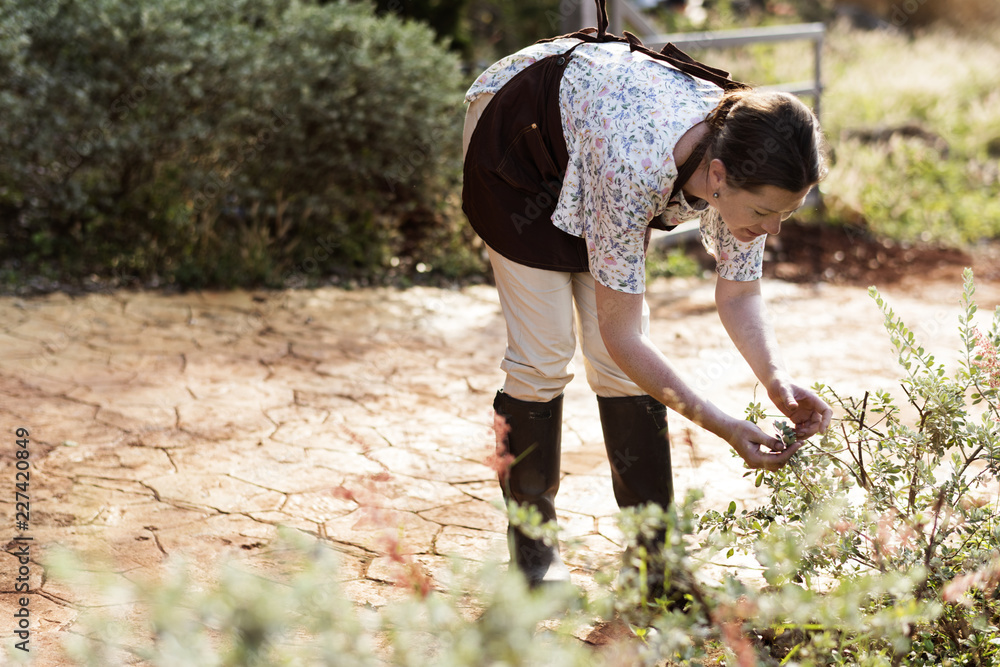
pixel 755 412
pixel 785 433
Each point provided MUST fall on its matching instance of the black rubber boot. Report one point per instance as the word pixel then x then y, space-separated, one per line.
pixel 638 446
pixel 534 480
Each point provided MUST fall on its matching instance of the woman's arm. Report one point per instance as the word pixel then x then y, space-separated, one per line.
pixel 619 316
pixel 743 314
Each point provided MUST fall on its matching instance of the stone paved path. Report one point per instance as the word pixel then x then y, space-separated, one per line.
pixel 198 423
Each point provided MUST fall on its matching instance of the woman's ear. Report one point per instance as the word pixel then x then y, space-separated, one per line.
pixel 716 175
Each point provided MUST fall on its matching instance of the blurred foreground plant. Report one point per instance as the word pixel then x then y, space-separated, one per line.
pixel 299 614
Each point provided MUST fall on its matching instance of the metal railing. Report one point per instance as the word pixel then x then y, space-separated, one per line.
pixel 622 13
pixel 720 39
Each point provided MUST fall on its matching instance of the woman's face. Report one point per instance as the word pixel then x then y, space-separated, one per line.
pixel 750 214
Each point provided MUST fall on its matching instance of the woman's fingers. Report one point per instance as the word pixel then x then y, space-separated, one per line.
pixel 810 426
pixel 772 460
pixel 760 451
pixel 817 414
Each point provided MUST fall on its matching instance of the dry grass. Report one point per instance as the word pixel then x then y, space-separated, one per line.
pixel 945 82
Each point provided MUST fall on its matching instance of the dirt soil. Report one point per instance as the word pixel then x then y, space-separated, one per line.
pixel 198 423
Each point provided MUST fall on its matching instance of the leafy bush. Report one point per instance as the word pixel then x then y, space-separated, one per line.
pixel 880 499
pixel 232 142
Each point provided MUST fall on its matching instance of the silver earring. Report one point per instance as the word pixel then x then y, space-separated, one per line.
pixel 715 195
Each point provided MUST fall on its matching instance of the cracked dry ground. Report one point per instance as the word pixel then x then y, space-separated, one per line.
pixel 196 424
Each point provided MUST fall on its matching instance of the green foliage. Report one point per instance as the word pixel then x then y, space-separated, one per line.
pixel 878 497
pixel 672 263
pixel 786 432
pixel 918 195
pixel 298 614
pixel 234 142
pixel 940 185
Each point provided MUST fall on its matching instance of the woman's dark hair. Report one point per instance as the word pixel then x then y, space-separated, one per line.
pixel 767 138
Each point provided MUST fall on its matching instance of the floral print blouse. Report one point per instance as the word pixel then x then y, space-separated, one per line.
pixel 622 115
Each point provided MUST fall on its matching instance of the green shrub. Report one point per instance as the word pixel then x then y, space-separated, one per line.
pixel 234 142
pixel 880 499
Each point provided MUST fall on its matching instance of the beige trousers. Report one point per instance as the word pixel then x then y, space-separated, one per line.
pixel 545 311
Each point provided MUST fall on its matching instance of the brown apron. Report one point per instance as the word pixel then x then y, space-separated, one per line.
pixel 514 170
pixel 517 158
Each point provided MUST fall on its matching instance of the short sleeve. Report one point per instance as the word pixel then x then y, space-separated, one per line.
pixel 734 259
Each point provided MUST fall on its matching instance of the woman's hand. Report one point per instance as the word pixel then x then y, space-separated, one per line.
pixel 741 309
pixel 808 412
pixel 757 449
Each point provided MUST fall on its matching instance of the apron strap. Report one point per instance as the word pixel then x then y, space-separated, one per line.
pixel 671 55
pixel 602 18
pixel 685 63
